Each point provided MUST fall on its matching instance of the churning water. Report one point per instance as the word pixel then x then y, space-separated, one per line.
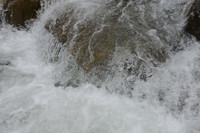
pixel 34 96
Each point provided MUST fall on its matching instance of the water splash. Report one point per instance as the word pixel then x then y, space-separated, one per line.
pixel 167 101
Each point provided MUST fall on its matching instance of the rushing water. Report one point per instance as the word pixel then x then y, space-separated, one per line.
pixel 32 100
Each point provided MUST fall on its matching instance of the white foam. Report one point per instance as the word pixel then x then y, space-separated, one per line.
pixel 30 103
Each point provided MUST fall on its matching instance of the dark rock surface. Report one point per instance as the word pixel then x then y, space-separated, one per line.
pixel 19 11
pixel 4 62
pixel 193 25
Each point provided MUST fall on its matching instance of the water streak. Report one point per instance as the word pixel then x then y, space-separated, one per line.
pixel 158 97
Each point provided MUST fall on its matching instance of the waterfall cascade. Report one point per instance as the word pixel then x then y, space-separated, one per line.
pixel 106 66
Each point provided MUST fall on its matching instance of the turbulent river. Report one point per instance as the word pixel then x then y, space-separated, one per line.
pixel 36 98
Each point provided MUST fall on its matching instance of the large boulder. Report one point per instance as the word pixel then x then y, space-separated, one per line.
pixel 96 34
pixel 19 11
pixel 193 24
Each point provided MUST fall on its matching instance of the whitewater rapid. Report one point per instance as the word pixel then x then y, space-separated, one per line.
pixel 168 102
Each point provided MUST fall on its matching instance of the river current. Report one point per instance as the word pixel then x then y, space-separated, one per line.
pixel 33 98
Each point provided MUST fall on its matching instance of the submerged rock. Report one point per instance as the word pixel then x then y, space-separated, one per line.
pixel 58 83
pixel 193 24
pixel 4 62
pixel 19 11
pixel 0 16
pixel 87 40
pixel 93 36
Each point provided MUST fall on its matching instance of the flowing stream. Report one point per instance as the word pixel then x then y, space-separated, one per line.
pixel 35 70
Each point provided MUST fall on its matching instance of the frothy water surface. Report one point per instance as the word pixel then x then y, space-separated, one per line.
pixel 168 102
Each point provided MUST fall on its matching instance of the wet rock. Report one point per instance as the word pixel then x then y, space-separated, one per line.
pixel 193 24
pixel 67 84
pixel 92 37
pixel 89 42
pixel 70 83
pixel 19 11
pixel 0 16
pixel 57 84
pixel 4 62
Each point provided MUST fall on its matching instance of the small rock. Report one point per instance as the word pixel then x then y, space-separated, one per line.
pixel 193 25
pixel 5 63
pixel 57 84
